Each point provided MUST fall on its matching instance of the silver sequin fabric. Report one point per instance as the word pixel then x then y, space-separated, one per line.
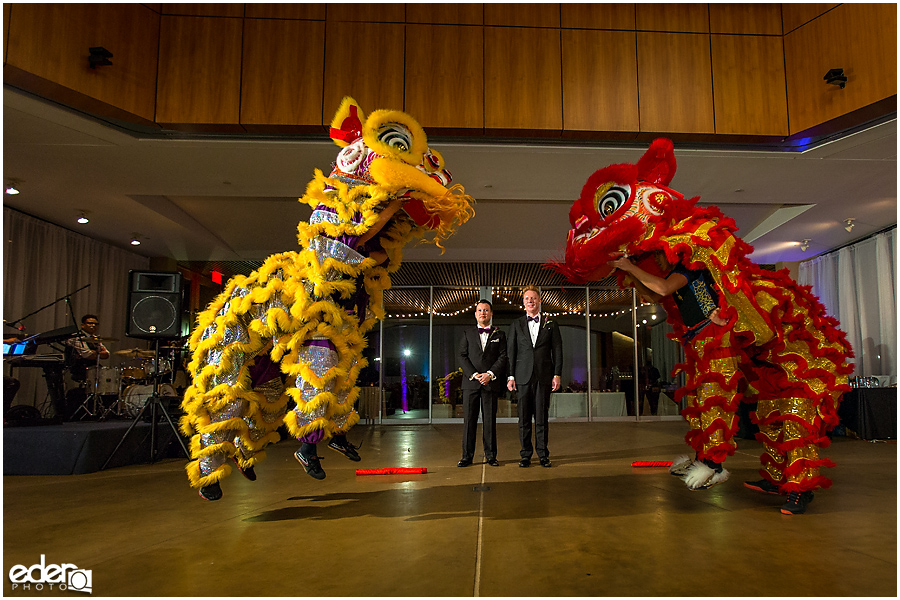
pixel 325 247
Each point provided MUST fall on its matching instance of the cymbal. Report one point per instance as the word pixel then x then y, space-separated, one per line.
pixel 135 352
pixel 172 348
pixel 102 339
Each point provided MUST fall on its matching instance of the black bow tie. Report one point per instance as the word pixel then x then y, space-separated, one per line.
pixel 536 319
pixel 484 330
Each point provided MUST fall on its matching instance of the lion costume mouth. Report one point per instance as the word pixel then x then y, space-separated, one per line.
pixel 429 203
pixel 588 252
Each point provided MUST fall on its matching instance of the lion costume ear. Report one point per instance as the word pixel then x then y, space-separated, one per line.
pixel 347 124
pixel 657 165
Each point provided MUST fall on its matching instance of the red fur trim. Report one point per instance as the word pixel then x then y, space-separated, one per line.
pixel 717 453
pixel 696 439
pixel 800 465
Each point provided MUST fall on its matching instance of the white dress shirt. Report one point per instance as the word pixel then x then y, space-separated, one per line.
pixel 534 328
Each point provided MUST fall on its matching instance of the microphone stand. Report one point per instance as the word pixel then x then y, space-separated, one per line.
pixel 68 300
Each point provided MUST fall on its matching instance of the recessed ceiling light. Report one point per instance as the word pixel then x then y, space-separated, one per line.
pixel 82 218
pixel 11 190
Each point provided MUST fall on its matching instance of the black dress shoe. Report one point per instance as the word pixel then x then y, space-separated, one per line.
pixel 493 462
pixel 545 462
pixel 464 462
pixel 525 462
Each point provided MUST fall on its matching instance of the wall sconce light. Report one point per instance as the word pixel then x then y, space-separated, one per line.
pixel 836 77
pixel 849 225
pixel 11 189
pixel 804 245
pixel 82 218
pixel 99 56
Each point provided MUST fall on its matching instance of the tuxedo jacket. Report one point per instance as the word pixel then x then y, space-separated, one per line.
pixel 473 359
pixel 536 364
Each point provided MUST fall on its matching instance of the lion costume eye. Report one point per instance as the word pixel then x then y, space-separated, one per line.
pixel 612 200
pixel 395 136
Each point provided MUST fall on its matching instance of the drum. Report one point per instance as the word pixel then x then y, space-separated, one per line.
pixel 134 373
pixel 134 397
pixel 106 378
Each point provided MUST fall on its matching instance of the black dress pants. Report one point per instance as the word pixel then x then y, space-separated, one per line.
pixel 534 403
pixel 485 400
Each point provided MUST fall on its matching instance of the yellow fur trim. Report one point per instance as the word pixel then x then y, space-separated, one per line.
pixel 297 431
pixel 257 446
pixel 254 460
pixel 198 481
pixel 197 451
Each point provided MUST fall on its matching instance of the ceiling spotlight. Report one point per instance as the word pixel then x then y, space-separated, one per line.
pixel 11 189
pixel 135 240
pixel 849 224
pixel 82 218
pixel 804 245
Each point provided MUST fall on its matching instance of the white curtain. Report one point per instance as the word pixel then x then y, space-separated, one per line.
pixel 857 285
pixel 666 352
pixel 43 263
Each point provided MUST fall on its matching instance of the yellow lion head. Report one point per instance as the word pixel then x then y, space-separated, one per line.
pixel 389 150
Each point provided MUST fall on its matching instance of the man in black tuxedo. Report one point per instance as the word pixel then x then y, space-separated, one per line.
pixel 534 347
pixel 482 356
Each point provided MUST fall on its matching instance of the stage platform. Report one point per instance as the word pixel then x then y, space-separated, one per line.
pixel 82 447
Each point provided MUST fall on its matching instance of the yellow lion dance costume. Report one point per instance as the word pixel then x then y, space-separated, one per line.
pixel 749 334
pixel 294 329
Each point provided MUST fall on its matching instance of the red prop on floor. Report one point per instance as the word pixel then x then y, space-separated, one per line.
pixel 652 463
pixel 392 471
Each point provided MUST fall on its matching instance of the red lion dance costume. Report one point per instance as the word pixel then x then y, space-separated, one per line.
pixel 776 346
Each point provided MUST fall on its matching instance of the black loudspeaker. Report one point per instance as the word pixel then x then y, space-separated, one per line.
pixel 154 305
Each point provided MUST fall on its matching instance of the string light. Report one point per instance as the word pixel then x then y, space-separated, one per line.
pixel 514 303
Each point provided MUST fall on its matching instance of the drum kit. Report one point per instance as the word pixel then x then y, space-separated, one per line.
pixel 122 391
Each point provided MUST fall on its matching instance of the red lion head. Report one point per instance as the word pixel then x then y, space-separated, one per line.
pixel 613 212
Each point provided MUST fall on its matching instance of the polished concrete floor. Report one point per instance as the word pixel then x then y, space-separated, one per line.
pixel 589 526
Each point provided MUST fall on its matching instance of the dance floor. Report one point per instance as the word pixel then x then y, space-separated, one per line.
pixel 591 525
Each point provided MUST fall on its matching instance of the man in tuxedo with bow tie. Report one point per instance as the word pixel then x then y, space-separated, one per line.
pixel 482 356
pixel 534 348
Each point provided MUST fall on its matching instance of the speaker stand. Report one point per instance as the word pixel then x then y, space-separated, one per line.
pixel 155 404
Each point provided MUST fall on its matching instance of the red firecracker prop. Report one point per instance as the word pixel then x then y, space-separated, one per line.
pixel 652 463
pixel 392 471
